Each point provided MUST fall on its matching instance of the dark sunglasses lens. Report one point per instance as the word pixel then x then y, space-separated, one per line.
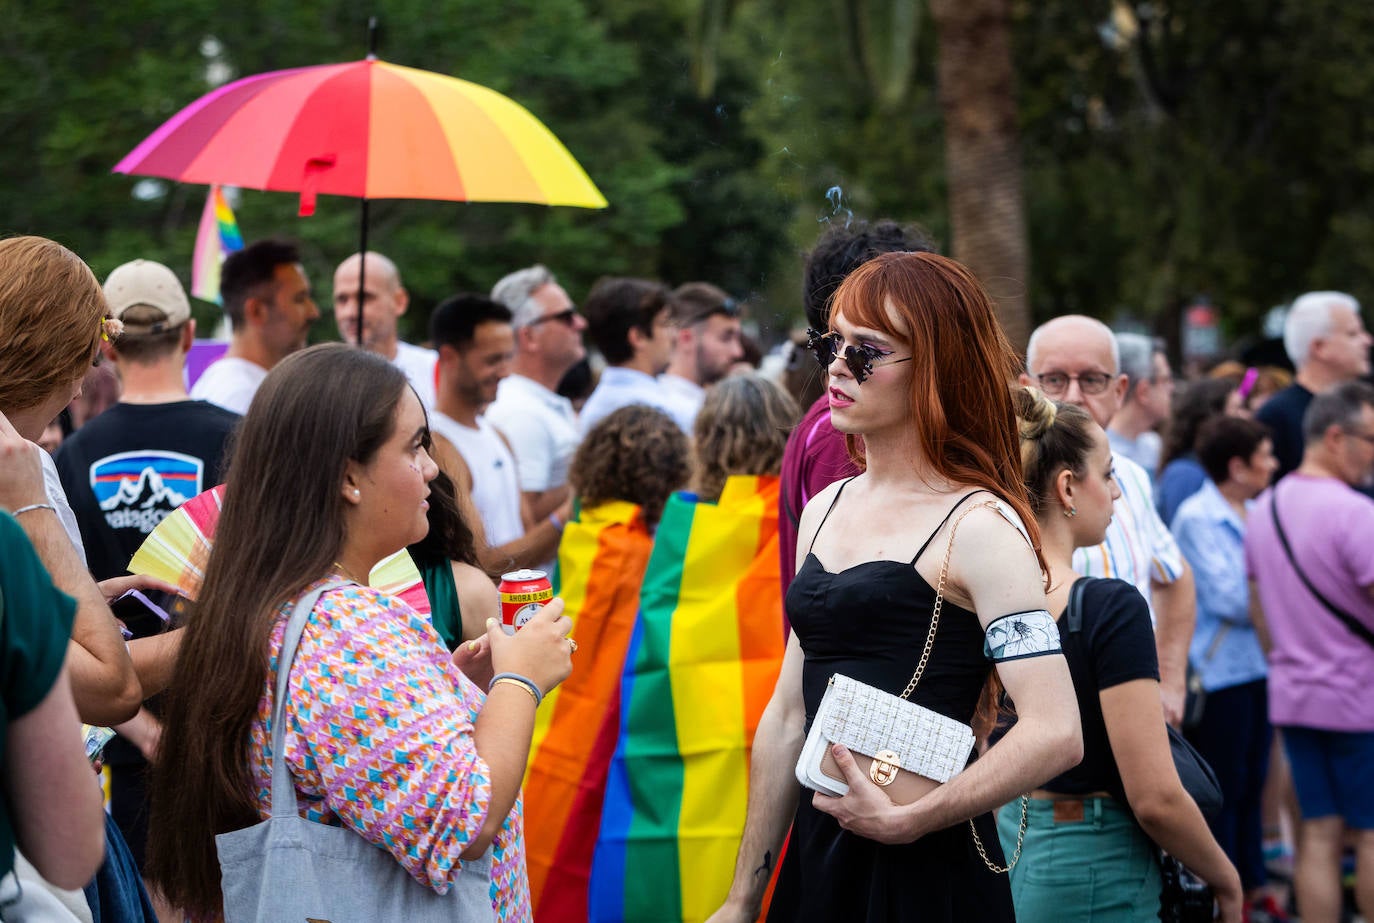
pixel 859 363
pixel 822 346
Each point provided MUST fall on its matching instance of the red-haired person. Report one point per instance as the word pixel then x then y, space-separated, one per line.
pixel 919 373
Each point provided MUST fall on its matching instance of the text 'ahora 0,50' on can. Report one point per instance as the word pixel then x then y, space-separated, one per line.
pixel 522 593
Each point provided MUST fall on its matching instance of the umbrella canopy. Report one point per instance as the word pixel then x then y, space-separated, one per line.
pixel 366 129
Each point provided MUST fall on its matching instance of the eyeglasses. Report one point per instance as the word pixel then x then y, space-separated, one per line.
pixel 860 359
pixel 567 316
pixel 1056 383
pixel 1367 437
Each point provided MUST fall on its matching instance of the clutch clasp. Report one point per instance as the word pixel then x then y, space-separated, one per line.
pixel 883 769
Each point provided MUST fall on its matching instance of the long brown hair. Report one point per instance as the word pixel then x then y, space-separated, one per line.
pixel 961 370
pixel 282 527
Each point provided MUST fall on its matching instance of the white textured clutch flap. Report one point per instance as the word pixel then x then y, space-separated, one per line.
pixel 867 720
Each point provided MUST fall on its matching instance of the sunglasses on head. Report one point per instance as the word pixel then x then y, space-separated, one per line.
pixel 860 359
pixel 566 316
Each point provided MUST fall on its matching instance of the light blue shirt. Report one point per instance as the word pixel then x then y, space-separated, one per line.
pixel 1225 650
pixel 620 387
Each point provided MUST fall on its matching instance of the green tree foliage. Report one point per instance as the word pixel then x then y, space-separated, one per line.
pixel 85 82
pixel 1170 149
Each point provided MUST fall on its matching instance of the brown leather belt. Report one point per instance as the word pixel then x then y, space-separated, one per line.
pixel 1070 809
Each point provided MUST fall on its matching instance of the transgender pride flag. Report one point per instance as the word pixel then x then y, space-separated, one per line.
pixel 217 238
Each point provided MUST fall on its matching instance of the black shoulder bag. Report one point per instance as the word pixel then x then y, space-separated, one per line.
pixel 1183 896
pixel 1357 628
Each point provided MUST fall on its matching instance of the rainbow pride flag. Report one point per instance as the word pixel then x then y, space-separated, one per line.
pixel 217 237
pixel 601 562
pixel 701 667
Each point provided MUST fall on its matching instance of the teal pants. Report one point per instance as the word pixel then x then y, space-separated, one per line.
pixel 1100 869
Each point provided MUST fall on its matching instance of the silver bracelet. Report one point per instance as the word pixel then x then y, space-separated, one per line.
pixel 522 680
pixel 33 506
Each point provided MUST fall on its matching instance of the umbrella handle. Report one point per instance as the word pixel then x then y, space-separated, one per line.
pixel 310 182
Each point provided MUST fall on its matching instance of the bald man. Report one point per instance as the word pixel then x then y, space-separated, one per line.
pixel 384 301
pixel 1075 359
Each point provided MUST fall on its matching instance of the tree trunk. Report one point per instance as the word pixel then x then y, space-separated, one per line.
pixel 983 153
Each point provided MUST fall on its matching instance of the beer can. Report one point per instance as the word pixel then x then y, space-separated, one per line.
pixel 522 593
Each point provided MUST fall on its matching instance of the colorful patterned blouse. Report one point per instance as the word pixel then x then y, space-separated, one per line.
pixel 380 737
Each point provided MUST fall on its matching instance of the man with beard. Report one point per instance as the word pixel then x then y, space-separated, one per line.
pixel 384 301
pixel 267 299
pixel 708 344
pixel 476 344
pixel 540 424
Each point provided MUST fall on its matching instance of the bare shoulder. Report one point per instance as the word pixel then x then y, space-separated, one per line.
pixel 990 525
pixel 993 564
pixel 817 507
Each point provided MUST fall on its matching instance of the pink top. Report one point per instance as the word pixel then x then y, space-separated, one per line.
pixel 814 459
pixel 380 738
pixel 1319 672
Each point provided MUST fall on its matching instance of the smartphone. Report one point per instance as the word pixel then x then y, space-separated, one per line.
pixel 140 615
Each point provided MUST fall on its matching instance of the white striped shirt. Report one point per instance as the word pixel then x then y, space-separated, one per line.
pixel 1139 547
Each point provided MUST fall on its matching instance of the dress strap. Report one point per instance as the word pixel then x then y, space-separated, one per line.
pixel 829 509
pixel 952 510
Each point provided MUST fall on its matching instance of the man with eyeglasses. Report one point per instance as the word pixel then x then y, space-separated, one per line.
pixel 1075 359
pixel 384 301
pixel 708 344
pixel 540 424
pixel 1307 543
pixel 1149 396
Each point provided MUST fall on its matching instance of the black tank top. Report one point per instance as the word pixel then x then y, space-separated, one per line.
pixel 870 622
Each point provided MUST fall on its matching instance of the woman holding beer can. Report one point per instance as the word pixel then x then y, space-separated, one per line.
pixel 375 704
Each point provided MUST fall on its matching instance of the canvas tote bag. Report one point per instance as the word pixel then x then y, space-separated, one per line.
pixel 290 870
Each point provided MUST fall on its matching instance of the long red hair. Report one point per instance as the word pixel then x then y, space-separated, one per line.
pixel 961 372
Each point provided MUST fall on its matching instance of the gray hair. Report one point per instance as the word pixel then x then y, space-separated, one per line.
pixel 1077 318
pixel 1340 406
pixel 1137 355
pixel 1309 317
pixel 516 292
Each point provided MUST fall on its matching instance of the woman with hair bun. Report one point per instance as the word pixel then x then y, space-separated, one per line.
pixel 1088 852
pixel 918 383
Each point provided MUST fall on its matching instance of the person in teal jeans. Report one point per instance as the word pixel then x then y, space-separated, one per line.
pixel 1088 853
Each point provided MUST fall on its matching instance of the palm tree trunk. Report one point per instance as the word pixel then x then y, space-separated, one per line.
pixel 983 153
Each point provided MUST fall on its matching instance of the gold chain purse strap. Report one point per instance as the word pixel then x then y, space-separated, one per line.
pixel 921 668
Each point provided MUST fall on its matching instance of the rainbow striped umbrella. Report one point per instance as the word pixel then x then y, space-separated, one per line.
pixel 366 129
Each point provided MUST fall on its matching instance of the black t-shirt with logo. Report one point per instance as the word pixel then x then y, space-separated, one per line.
pixel 127 468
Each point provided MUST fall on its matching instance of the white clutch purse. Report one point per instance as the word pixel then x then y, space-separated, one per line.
pixel 904 747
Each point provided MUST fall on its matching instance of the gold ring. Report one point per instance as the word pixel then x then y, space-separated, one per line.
pixel 574 646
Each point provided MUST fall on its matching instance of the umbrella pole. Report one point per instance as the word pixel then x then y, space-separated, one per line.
pixel 362 271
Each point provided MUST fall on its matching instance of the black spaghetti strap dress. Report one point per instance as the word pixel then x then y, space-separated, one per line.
pixel 870 622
